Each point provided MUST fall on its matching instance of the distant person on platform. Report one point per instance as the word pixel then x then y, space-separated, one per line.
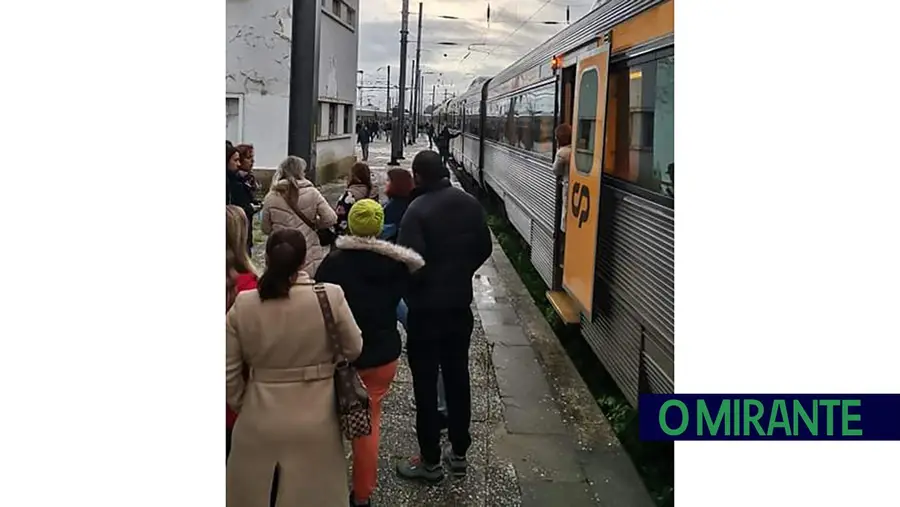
pixel 429 131
pixel 237 191
pixel 448 228
pixel 443 144
pixel 363 137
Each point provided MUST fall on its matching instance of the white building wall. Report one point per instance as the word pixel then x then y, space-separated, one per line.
pixel 258 53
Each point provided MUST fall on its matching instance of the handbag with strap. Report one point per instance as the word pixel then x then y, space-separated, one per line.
pixel 353 404
pixel 327 236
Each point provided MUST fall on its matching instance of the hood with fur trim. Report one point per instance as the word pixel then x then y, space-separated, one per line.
pixel 407 256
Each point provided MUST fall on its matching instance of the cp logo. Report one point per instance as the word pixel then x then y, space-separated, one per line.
pixel 581 196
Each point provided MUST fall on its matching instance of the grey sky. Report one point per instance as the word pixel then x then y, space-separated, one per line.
pixel 506 39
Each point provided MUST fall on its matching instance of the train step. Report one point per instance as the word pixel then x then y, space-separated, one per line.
pixel 564 306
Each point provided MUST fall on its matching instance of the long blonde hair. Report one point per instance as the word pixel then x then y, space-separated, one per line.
pixel 292 169
pixel 236 232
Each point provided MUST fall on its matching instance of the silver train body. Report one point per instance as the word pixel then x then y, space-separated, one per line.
pixel 632 325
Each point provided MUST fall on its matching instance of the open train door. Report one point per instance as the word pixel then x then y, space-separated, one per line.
pixel 585 174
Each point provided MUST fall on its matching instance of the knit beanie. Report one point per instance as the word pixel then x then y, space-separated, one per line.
pixel 366 218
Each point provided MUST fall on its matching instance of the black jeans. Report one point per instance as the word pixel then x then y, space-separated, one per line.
pixel 365 151
pixel 441 338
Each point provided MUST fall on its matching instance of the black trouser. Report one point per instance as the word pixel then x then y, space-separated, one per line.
pixel 365 151
pixel 445 156
pixel 441 338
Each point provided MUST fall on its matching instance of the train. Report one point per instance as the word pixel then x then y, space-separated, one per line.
pixel 610 76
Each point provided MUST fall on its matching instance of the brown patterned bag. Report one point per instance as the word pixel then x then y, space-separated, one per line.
pixel 353 402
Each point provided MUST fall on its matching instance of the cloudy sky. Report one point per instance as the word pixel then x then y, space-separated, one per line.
pixel 476 48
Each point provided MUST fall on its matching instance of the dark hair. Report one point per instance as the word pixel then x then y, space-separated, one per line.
pixel 229 152
pixel 246 151
pixel 401 183
pixel 228 143
pixel 564 135
pixel 285 255
pixel 428 167
pixel 361 174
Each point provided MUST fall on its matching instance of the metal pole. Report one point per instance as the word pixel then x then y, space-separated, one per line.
pixel 397 136
pixel 303 110
pixel 445 95
pixel 416 102
pixel 433 91
pixel 412 99
pixel 388 88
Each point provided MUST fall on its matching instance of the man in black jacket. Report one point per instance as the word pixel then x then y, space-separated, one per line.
pixel 448 228
pixel 443 143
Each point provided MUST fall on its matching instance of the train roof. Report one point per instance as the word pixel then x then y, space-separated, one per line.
pixel 588 28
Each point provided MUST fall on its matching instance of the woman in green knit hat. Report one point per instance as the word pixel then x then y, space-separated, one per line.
pixel 374 275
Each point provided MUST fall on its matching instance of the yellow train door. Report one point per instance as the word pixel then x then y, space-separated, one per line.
pixel 585 173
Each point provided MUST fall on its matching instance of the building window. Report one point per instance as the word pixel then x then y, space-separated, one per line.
pixel 351 16
pixel 640 130
pixel 332 119
pixel 587 121
pixel 336 6
pixel 233 119
pixel 348 116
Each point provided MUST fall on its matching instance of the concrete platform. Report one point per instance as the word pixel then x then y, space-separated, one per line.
pixel 539 438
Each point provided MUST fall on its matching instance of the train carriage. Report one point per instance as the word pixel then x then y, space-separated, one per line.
pixel 611 76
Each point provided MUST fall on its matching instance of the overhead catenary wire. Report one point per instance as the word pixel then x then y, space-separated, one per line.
pixel 535 13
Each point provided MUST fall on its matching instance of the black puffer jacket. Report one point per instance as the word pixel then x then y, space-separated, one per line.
pixel 375 275
pixel 448 227
pixel 238 193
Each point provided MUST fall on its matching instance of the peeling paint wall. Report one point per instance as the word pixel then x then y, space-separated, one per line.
pixel 258 54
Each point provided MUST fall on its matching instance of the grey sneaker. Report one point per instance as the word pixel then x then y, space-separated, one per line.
pixel 415 468
pixel 458 464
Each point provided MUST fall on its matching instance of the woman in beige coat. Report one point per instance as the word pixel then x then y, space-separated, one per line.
pixel 287 446
pixel 290 184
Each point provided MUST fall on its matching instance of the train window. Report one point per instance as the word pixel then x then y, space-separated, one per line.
pixel 587 120
pixel 523 121
pixel 640 132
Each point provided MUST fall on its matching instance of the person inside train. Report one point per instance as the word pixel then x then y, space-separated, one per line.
pixel 448 228
pixel 561 169
pixel 443 144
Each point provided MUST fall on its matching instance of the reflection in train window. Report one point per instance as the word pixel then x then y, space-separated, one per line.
pixel 640 133
pixel 523 120
pixel 587 121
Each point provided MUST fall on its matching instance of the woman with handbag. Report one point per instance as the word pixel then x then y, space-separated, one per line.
pixel 295 337
pixel 293 202
pixel 374 275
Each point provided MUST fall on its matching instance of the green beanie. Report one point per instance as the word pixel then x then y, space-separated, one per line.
pixel 366 218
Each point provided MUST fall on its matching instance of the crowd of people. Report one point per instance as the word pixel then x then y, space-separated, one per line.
pixel 367 132
pixel 337 282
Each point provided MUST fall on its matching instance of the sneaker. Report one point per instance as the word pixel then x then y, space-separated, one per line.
pixel 458 464
pixel 415 468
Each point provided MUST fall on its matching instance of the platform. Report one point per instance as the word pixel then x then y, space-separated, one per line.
pixel 539 438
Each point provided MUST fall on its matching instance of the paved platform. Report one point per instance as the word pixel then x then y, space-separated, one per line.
pixel 539 438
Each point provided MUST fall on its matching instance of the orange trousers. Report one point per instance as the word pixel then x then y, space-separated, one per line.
pixel 365 449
